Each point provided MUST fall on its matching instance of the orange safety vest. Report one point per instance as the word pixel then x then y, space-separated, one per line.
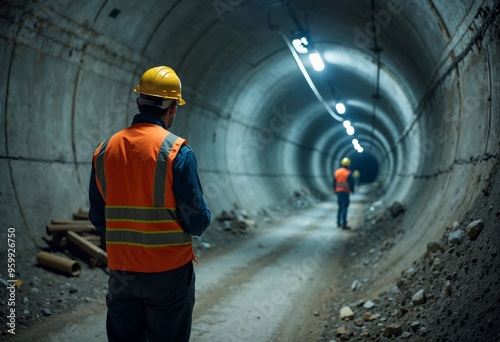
pixel 134 176
pixel 341 175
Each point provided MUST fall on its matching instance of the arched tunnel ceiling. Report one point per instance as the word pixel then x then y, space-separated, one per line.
pixel 249 63
pixel 352 77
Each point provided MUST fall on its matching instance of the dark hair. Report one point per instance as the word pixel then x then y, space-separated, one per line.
pixel 152 110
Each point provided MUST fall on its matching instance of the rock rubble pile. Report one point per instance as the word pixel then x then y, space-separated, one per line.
pixel 449 294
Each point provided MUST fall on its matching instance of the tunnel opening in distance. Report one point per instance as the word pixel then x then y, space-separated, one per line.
pixel 366 164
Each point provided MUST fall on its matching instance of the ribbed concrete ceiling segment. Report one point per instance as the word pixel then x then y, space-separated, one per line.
pixel 258 131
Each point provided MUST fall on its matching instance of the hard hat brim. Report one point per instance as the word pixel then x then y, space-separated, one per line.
pixel 181 101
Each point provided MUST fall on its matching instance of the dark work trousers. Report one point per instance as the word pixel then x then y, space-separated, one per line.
pixel 150 306
pixel 343 198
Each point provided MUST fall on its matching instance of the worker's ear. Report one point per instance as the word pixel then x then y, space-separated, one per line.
pixel 172 109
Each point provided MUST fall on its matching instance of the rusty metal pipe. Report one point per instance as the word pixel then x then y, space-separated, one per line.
pixel 81 216
pixel 67 266
pixel 63 228
pixel 80 222
pixel 97 254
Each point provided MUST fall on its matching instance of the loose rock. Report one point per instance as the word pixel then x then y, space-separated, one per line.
pixel 393 329
pixel 354 285
pixel 434 247
pixel 456 237
pixel 447 288
pixel 396 208
pixel 346 313
pixel 419 297
pixel 365 333
pixel 415 325
pixel 436 264
pixel 422 330
pixel 46 312
pixel 474 228
pixel 406 335
pixel 341 331
pixel 369 304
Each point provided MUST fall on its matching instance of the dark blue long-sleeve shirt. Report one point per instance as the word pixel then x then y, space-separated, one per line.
pixel 192 209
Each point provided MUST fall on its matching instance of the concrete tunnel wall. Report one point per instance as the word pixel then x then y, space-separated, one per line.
pixel 68 70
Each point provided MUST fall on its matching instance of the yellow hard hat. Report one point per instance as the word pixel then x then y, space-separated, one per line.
pixel 162 82
pixel 346 162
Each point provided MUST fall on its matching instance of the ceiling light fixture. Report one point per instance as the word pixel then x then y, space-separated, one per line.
pixel 300 45
pixel 340 108
pixel 316 61
pixel 308 79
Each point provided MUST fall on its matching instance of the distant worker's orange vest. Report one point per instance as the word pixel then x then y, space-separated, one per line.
pixel 134 176
pixel 341 176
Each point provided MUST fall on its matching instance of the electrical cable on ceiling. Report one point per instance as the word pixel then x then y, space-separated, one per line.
pixel 376 94
pixel 308 79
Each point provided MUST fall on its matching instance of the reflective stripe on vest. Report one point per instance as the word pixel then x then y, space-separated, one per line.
pixel 145 215
pixel 341 175
pixel 140 238
pixel 140 214
pixel 161 170
pixel 99 168
pixel 343 185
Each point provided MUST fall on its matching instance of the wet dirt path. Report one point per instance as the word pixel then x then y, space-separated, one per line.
pixel 272 287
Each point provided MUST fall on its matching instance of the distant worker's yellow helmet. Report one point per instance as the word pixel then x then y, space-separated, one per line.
pixel 162 82
pixel 346 162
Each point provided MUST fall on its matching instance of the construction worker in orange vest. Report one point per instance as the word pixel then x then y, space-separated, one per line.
pixel 343 184
pixel 146 195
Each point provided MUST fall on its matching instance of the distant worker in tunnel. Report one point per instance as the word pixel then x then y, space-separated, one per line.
pixel 356 175
pixel 146 195
pixel 343 185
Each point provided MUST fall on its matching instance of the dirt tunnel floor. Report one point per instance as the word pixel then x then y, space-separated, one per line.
pixel 288 282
